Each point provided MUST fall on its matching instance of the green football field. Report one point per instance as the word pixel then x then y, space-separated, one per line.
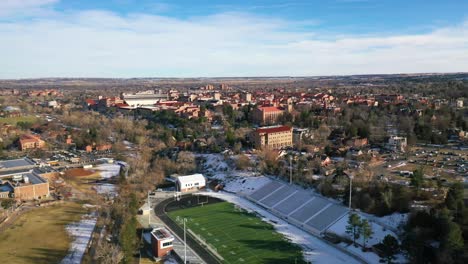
pixel 238 236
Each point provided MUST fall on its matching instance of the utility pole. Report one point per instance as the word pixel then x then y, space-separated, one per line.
pixel 149 213
pixel 185 243
pixel 350 190
pixel 290 169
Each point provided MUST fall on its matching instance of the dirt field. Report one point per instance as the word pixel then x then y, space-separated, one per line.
pixel 78 172
pixel 39 236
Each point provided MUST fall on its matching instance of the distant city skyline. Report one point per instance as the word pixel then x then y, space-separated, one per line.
pixel 130 38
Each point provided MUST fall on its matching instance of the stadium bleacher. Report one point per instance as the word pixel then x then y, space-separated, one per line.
pixel 300 206
pixel 278 196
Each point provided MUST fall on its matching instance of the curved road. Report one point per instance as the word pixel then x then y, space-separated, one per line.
pixel 160 210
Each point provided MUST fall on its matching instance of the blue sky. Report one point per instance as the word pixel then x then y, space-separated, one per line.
pixel 353 16
pixel 143 38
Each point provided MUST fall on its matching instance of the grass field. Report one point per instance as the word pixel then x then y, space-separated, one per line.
pixel 238 236
pixel 14 120
pixel 39 236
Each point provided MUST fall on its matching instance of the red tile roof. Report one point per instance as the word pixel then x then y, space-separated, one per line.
pixel 273 129
pixel 269 109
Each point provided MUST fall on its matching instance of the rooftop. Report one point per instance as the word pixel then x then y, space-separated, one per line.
pixel 34 178
pixel 194 178
pixel 161 233
pixel 5 188
pixel 274 129
pixel 269 109
pixel 16 163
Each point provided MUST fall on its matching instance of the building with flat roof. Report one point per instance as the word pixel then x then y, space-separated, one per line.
pixel 190 183
pixel 144 98
pixel 23 179
pixel 17 164
pixel 274 137
pixel 25 186
pixel 397 143
pixel 161 242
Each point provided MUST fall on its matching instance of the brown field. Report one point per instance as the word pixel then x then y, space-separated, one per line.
pixel 78 172
pixel 39 236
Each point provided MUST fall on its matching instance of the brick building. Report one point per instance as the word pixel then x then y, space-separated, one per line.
pixel 267 115
pixel 29 141
pixel 25 186
pixel 161 242
pixel 273 137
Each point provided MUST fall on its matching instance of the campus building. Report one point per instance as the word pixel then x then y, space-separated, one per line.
pixel 397 143
pixel 161 242
pixel 190 183
pixel 267 115
pixel 22 179
pixel 144 98
pixel 275 137
pixel 31 142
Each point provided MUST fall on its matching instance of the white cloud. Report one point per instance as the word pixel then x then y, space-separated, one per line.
pixel 23 7
pixel 100 43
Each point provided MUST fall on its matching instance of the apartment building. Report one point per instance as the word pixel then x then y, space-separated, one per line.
pixel 31 142
pixel 267 115
pixel 273 137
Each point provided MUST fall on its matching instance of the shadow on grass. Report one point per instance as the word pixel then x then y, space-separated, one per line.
pixel 282 246
pixel 44 255
pixel 257 227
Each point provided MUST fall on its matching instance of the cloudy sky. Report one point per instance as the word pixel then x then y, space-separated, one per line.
pixel 198 38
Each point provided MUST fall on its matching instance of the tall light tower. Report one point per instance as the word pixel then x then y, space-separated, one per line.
pixel 185 243
pixel 290 169
pixel 350 189
pixel 149 213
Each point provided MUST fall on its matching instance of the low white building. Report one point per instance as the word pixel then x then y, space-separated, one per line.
pixel 190 183
pixel 397 143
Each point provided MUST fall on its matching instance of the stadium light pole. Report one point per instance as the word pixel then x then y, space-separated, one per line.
pixel 185 243
pixel 149 213
pixel 290 169
pixel 350 190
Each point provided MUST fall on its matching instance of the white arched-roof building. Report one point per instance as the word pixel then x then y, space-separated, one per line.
pixel 191 183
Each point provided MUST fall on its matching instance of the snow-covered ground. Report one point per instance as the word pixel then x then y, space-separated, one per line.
pixel 243 183
pixel 214 162
pixel 380 232
pixel 105 188
pixel 393 221
pixel 314 249
pixel 81 233
pixel 108 170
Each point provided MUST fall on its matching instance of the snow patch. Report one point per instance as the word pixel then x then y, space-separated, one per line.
pixel 214 163
pixel 108 170
pixel 380 232
pixel 81 233
pixel 106 188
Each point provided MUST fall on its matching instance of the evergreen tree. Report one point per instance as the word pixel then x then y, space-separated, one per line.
pixel 453 238
pixel 354 222
pixel 417 178
pixel 390 248
pixel 454 200
pixel 365 230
